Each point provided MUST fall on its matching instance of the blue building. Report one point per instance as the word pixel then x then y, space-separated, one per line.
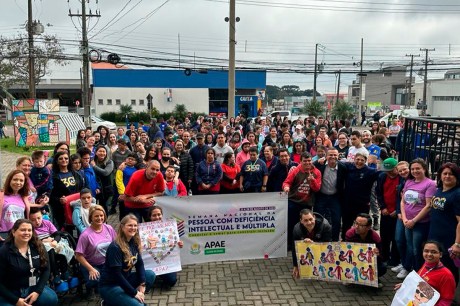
pixel 200 91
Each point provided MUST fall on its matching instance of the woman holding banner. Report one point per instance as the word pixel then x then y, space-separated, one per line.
pixel 119 285
pixel 156 214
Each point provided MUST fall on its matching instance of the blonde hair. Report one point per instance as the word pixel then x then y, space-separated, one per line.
pixel 122 241
pixel 95 208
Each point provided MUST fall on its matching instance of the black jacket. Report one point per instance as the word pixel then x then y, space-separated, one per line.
pixel 277 176
pixel 60 190
pixel 322 233
pixel 15 272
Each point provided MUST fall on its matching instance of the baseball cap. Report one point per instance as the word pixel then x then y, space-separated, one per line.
pixel 121 140
pixel 389 164
pixel 199 135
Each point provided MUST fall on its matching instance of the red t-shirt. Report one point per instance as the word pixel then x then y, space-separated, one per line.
pixel 442 280
pixel 389 193
pixel 139 185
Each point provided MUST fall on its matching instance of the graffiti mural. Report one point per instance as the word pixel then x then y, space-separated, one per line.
pixel 32 128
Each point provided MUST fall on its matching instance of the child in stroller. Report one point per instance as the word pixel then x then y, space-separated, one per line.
pixel 60 247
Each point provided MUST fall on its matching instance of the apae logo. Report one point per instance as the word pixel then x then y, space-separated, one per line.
pixel 214 247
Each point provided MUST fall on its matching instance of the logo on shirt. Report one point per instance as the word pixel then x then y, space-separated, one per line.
pixel 438 203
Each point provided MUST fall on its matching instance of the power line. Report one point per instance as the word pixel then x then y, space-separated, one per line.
pixel 338 8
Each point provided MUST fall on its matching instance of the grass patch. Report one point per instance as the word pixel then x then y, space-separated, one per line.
pixel 8 145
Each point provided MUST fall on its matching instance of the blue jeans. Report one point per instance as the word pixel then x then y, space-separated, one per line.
pixel 47 298
pixel 400 237
pixel 115 295
pixel 169 279
pixel 90 283
pixel 293 218
pixel 414 238
pixel 330 208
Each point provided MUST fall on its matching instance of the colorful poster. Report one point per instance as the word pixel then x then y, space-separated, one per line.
pixel 415 291
pixel 160 250
pixel 342 262
pixel 229 227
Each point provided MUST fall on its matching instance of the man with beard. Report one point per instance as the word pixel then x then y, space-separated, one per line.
pixel 221 147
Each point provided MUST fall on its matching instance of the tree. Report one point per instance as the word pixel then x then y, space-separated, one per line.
pixel 180 111
pixel 342 110
pixel 313 108
pixel 14 58
pixel 126 109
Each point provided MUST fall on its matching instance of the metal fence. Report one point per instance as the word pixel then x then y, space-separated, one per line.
pixel 436 140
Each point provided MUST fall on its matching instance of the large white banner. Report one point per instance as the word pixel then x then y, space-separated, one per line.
pixel 229 227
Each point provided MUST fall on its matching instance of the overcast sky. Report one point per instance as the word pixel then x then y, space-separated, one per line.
pixel 276 34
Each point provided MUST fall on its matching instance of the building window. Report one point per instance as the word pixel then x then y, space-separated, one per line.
pixel 117 101
pixel 109 101
pixel 100 101
pixel 387 74
pixel 141 102
pixel 133 102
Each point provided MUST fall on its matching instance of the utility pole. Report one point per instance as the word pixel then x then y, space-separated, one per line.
pixel 315 73
pixel 30 32
pixel 425 79
pixel 86 99
pixel 361 74
pixel 338 86
pixel 409 98
pixel 316 69
pixel 231 60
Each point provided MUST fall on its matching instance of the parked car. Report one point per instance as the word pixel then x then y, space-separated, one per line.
pixel 410 112
pixel 97 122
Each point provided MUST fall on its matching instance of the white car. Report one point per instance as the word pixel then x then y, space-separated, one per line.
pixel 97 122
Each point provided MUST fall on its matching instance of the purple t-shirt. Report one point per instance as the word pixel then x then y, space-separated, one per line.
pixel 13 209
pixel 414 195
pixel 45 230
pixel 93 245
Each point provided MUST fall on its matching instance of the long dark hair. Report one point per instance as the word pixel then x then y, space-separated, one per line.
pixel 33 240
pixel 58 145
pixel 422 163
pixel 55 166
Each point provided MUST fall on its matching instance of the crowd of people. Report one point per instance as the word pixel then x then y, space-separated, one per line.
pixel 343 184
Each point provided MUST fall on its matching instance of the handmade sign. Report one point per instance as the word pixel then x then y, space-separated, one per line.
pixel 415 291
pixel 343 262
pixel 160 250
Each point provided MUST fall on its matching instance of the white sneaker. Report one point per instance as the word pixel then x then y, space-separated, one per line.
pixel 402 274
pixel 397 269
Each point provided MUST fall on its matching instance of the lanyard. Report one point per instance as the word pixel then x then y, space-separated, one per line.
pixel 429 270
pixel 32 269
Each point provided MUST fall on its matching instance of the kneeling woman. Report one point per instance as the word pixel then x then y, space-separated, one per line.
pixel 156 214
pixel 24 267
pixel 119 285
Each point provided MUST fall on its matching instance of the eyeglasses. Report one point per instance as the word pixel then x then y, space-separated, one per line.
pixel 360 225
pixel 422 295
